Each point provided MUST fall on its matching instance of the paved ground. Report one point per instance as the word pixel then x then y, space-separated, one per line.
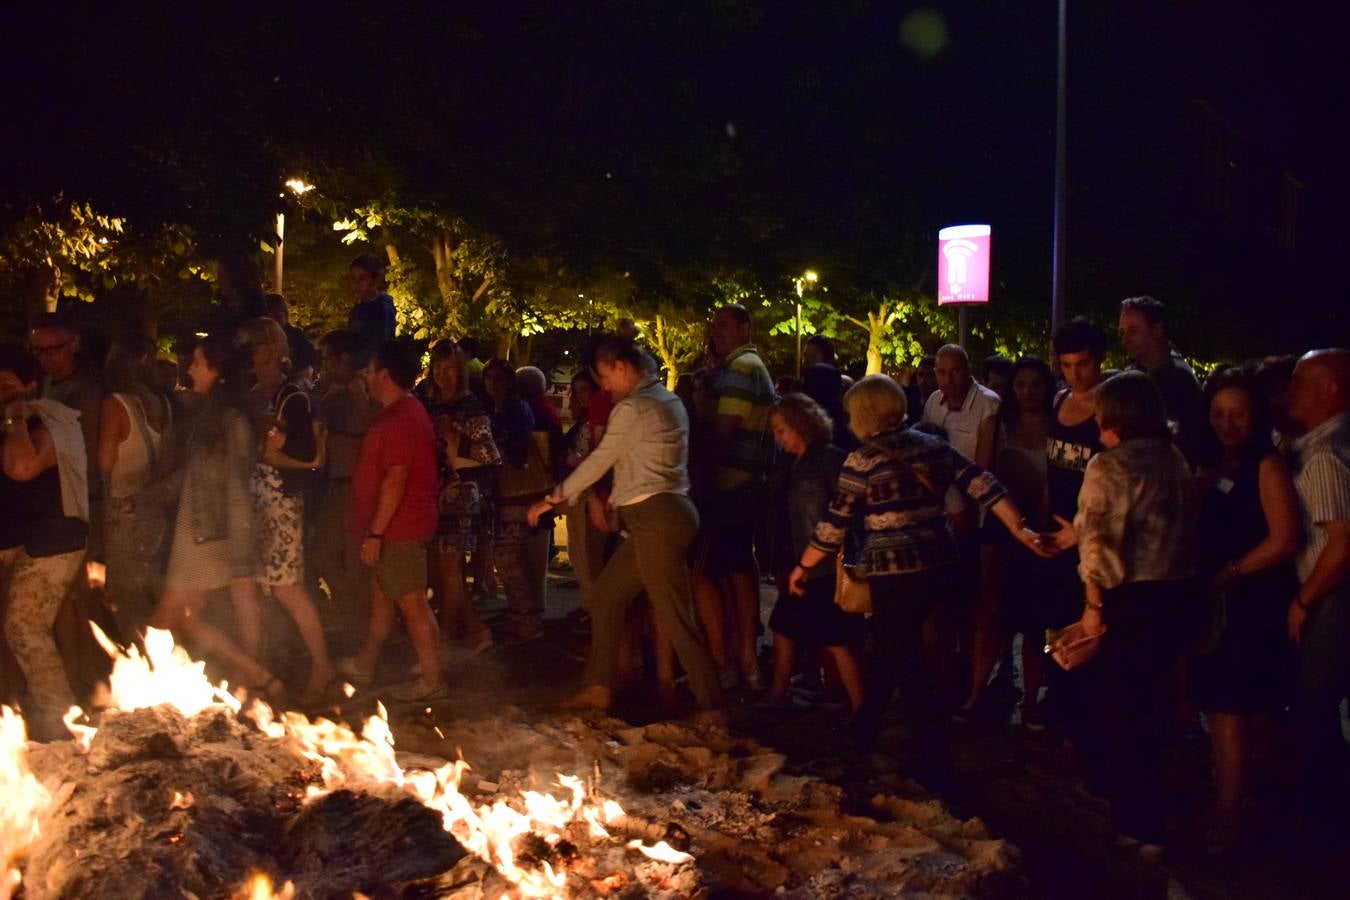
pixel 1024 785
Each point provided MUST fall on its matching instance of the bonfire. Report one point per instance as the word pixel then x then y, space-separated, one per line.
pixel 329 785
pixel 178 788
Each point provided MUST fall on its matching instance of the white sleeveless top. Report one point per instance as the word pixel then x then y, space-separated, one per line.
pixel 134 456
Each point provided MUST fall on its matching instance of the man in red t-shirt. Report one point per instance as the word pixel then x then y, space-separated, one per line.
pixel 393 513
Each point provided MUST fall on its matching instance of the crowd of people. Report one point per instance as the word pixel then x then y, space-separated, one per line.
pixel 1195 540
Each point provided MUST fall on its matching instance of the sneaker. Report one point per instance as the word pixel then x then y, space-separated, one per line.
pixel 418 691
pixel 1033 719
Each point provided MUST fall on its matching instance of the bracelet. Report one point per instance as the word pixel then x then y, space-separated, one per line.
pixel 1094 607
pixel 370 535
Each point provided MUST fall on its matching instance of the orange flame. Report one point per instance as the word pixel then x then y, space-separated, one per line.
pixel 26 800
pixel 165 673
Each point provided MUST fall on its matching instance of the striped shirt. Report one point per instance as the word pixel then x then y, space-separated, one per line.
pixel 1322 479
pixel 745 390
pixel 904 521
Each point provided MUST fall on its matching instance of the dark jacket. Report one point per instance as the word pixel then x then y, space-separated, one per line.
pixel 375 320
pixel 802 487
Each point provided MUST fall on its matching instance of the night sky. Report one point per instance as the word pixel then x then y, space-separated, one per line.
pixel 655 135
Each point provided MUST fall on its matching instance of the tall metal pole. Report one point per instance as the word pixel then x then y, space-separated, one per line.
pixel 963 325
pixel 281 248
pixel 1061 158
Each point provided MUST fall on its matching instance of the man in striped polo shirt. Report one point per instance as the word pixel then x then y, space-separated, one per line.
pixel 740 456
pixel 1319 615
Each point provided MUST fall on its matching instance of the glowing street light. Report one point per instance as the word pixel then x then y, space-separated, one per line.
pixel 299 187
pixel 811 276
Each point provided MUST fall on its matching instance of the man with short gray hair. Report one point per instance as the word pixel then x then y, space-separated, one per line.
pixel 1319 615
pixel 962 407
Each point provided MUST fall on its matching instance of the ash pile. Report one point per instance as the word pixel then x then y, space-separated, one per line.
pixel 163 805
pixel 752 825
pixel 180 793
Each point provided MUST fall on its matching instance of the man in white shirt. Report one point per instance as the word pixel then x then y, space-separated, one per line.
pixel 964 409
pixel 1319 615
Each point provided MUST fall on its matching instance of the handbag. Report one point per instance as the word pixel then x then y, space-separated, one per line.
pixel 1074 646
pixel 532 480
pixel 318 430
pixel 852 593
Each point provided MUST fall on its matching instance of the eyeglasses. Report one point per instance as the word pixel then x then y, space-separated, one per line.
pixel 44 349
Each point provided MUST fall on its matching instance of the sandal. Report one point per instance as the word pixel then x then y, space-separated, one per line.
pixel 418 691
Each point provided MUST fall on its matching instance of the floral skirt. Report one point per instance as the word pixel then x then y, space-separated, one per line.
pixel 461 518
pixel 280 520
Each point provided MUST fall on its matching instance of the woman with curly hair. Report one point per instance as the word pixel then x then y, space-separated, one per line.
pixel 801 487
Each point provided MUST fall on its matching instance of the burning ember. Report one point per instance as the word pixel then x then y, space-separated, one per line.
pixel 531 840
pixel 26 801
pixel 177 789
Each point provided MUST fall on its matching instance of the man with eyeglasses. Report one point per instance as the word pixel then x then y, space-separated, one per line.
pixel 56 346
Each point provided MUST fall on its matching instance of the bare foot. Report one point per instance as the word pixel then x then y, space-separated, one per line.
pixel 316 687
pixel 595 696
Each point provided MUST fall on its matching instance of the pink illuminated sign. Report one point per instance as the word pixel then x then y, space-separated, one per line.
pixel 963 264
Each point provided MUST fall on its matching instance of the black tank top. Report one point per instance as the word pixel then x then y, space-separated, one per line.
pixel 34 517
pixel 1068 449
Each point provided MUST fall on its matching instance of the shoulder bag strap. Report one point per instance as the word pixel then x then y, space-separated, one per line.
pixel 895 457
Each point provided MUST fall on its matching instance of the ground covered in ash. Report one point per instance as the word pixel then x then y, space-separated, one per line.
pixel 162 805
pixel 754 825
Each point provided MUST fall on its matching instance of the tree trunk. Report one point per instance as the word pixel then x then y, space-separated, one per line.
pixel 878 324
pixel 873 357
pixel 42 292
pixel 667 354
pixel 443 247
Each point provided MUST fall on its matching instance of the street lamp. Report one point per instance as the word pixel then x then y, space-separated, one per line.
pixel 299 187
pixel 811 276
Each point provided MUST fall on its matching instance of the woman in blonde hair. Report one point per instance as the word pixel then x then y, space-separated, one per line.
pixel 469 462
pixel 891 494
pixel 284 418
